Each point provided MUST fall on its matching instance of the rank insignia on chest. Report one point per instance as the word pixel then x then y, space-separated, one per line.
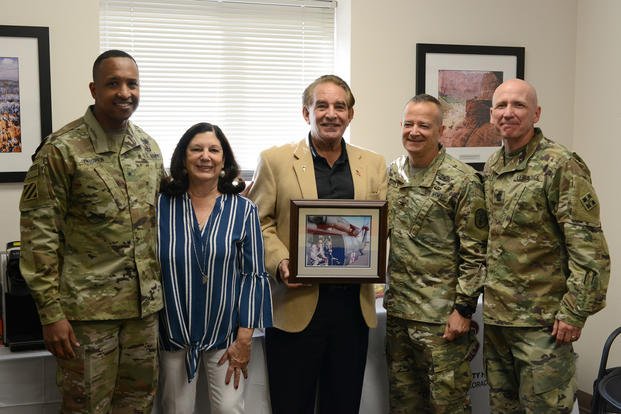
pixel 499 197
pixel 588 201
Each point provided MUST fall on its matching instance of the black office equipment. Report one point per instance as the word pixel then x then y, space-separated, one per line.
pixel 22 327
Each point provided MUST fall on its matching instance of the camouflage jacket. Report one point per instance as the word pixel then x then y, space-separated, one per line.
pixel 88 225
pixel 547 257
pixel 438 233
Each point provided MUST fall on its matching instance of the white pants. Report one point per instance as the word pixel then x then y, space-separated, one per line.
pixel 179 397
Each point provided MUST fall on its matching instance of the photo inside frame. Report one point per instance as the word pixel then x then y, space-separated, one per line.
pixel 10 113
pixel 338 241
pixel 466 97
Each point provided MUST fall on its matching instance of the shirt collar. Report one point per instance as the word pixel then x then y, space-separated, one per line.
pixel 342 158
pixel 519 161
pixel 426 176
pixel 99 137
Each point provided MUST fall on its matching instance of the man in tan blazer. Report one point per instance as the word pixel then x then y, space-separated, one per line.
pixel 320 335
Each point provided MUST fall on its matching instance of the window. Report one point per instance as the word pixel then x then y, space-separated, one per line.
pixel 239 64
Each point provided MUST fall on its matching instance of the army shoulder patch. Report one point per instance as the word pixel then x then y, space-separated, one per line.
pixel 30 191
pixel 480 218
pixel 588 201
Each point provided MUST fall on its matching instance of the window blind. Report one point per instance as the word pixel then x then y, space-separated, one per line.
pixel 242 65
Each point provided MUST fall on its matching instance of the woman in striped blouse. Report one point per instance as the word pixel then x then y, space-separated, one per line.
pixel 216 288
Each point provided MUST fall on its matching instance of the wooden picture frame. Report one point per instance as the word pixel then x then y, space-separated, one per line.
pixel 338 241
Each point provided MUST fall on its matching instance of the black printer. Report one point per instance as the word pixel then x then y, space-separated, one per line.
pixel 22 327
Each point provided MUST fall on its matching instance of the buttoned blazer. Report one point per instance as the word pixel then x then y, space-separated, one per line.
pixel 285 173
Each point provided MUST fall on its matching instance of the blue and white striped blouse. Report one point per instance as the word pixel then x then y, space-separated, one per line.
pixel 204 312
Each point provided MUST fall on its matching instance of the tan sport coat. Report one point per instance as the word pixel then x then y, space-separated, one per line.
pixel 285 173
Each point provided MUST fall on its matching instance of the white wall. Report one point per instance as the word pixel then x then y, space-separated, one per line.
pixel 571 55
pixel 384 37
pixel 74 44
pixel 597 139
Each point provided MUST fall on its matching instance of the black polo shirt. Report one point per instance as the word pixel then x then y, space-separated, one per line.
pixel 335 181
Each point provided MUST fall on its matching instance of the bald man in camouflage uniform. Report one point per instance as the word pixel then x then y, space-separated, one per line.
pixel 548 262
pixel 89 248
pixel 438 233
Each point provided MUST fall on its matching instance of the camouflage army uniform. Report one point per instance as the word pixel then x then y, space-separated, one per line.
pixel 89 252
pixel 438 233
pixel 547 259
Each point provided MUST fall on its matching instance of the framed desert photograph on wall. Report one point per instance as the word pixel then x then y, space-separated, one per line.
pixel 463 78
pixel 25 97
pixel 338 241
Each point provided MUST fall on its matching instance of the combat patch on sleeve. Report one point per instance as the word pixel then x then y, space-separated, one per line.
pixel 30 191
pixel 480 218
pixel 588 201
pixel 35 193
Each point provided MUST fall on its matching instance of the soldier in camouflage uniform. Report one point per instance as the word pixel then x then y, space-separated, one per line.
pixel 548 262
pixel 89 248
pixel 438 233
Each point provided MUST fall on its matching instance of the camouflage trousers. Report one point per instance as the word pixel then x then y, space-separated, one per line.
pixel 427 373
pixel 115 369
pixel 527 372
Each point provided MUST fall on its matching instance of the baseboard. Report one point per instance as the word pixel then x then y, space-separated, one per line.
pixel 584 402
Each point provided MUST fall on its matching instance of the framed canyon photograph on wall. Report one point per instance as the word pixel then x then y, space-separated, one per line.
pixel 463 78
